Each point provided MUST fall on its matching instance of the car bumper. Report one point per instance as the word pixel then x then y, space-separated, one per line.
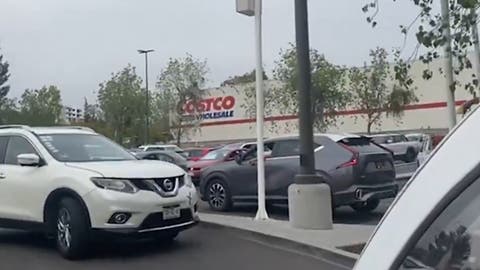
pixel 364 193
pixel 146 209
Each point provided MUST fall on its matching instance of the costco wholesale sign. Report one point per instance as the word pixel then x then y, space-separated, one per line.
pixel 212 108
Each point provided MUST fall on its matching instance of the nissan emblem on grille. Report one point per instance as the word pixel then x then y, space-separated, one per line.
pixel 168 185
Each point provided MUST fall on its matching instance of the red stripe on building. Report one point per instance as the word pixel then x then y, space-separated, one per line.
pixel 422 106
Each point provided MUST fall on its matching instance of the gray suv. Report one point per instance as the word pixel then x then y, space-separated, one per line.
pixel 360 172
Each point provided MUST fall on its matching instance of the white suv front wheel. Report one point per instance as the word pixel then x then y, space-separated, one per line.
pixel 72 229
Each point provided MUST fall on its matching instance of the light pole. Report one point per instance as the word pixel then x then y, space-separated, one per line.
pixel 254 8
pixel 309 199
pixel 147 103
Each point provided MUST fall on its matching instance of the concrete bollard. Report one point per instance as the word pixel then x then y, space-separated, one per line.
pixel 310 206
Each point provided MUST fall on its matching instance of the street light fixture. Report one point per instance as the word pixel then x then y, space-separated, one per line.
pixel 254 8
pixel 147 103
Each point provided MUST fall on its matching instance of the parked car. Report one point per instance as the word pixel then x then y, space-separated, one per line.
pixel 402 148
pixel 72 184
pixel 435 222
pixel 162 147
pixel 241 145
pixel 360 172
pixel 167 156
pixel 214 157
pixel 194 154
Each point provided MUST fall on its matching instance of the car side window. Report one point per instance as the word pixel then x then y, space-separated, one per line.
pixel 3 148
pixel 17 145
pixel 252 153
pixel 286 148
pixel 150 157
pixel 452 241
pixel 165 158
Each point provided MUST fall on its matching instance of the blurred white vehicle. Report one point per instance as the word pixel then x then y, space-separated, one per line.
pixel 434 223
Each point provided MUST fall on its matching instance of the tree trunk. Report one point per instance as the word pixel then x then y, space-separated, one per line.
pixel 179 135
pixel 369 127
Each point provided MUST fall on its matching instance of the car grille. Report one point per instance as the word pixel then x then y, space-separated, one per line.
pixel 144 184
pixel 155 220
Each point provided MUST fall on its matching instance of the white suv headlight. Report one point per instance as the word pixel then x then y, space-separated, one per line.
pixel 120 185
pixel 188 180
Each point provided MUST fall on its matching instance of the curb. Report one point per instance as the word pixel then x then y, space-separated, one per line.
pixel 337 257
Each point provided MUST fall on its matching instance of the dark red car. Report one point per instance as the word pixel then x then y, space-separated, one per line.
pixel 194 154
pixel 211 158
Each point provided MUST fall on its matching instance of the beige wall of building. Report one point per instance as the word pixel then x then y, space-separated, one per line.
pixel 235 124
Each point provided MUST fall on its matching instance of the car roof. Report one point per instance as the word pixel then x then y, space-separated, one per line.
pixel 430 187
pixel 383 135
pixel 48 130
pixel 333 136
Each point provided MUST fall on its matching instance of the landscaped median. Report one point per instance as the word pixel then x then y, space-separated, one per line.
pixel 340 245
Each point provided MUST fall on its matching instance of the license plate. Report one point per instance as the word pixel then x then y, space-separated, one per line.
pixel 171 213
pixel 190 173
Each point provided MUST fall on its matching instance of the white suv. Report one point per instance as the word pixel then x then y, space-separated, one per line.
pixel 73 183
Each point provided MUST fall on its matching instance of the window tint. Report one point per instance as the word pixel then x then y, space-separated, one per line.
pixel 252 153
pixel 194 153
pixel 154 148
pixel 16 146
pixel 362 145
pixel 453 240
pixel 399 138
pixel 150 157
pixel 286 148
pixel 165 158
pixel 3 148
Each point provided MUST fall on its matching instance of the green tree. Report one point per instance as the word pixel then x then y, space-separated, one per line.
pixel 431 36
pixel 372 94
pixel 121 100
pixel 4 75
pixel 181 82
pixel 328 88
pixel 41 107
pixel 242 79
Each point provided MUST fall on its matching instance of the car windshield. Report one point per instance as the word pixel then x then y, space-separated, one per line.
pixel 83 148
pixel 216 155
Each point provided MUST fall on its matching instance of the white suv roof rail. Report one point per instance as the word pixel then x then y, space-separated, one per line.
pixel 15 126
pixel 71 127
pixel 28 128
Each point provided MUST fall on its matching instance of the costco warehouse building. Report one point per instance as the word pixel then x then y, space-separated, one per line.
pixel 224 117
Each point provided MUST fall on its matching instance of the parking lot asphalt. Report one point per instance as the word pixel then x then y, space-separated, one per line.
pixel 199 248
pixel 344 215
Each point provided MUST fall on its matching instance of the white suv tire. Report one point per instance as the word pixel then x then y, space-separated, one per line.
pixel 72 232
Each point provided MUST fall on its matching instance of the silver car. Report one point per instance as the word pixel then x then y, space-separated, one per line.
pixel 402 148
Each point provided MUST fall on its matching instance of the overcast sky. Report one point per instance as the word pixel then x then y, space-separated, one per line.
pixel 76 44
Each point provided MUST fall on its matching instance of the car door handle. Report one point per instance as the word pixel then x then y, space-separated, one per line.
pixel 2 175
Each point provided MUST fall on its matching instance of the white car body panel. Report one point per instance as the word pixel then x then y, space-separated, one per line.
pixel 447 165
pixel 131 168
pixel 24 190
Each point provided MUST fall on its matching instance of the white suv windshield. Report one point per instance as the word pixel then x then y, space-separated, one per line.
pixel 83 148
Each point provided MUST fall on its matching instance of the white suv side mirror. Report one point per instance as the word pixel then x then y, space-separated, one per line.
pixel 28 160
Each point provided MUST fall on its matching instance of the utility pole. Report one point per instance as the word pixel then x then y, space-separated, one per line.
pixel 309 199
pixel 254 8
pixel 450 89
pixel 147 102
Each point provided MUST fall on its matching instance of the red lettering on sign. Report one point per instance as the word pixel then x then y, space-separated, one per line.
pixel 217 105
pixel 228 102
pixel 188 107
pixel 210 104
